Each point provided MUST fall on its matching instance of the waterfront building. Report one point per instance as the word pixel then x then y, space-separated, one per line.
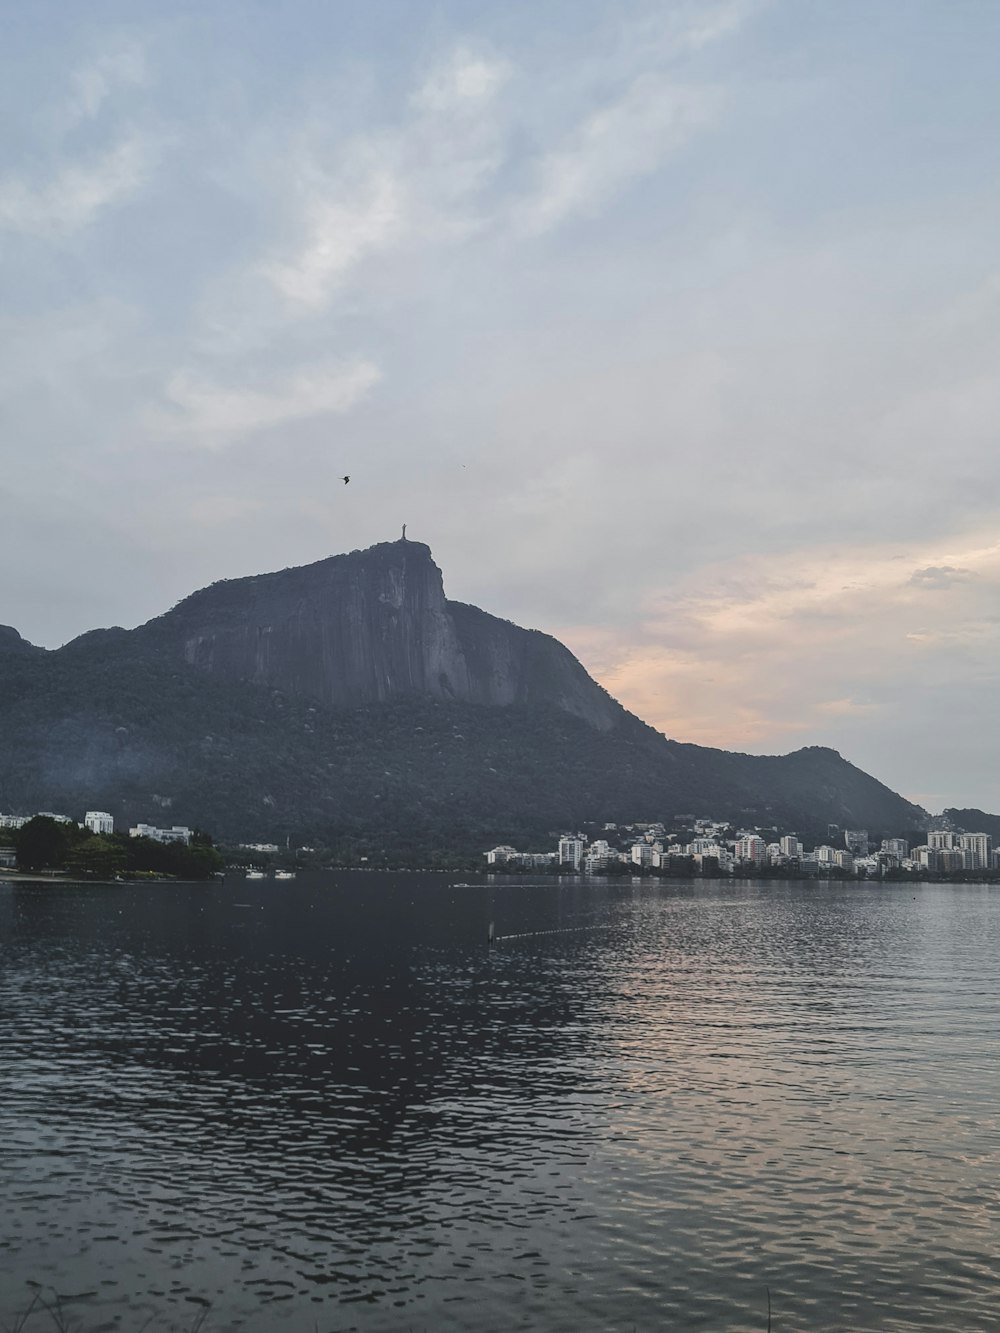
pixel 501 855
pixel 952 858
pixel 870 866
pixel 538 860
pixel 978 848
pixel 179 833
pixel 599 855
pixel 570 852
pixel 898 848
pixel 791 847
pixel 714 857
pixel 856 841
pixel 99 821
pixel 939 839
pixel 927 857
pixel 752 848
pixel 701 846
pixel 642 854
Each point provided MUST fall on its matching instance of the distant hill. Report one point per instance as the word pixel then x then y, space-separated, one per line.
pixel 350 702
pixel 974 821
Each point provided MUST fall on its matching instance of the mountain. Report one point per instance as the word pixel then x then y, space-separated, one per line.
pixel 371 627
pixel 351 703
pixel 973 821
pixel 11 642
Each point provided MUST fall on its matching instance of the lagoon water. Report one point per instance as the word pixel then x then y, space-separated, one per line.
pixel 327 1105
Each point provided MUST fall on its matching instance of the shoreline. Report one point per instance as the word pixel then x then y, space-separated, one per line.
pixel 61 877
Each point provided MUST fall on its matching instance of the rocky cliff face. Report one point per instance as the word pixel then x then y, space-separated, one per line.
pixel 372 627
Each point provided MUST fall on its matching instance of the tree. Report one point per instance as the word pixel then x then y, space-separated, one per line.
pixel 96 858
pixel 42 843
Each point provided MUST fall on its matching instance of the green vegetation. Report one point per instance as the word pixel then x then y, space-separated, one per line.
pixel 48 844
pixel 113 723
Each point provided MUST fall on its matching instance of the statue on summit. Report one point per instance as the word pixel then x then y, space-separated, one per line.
pixel 404 532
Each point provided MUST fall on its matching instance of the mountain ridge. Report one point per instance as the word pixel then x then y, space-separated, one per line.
pixel 350 699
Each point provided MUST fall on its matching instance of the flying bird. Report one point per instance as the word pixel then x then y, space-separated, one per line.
pixel 345 480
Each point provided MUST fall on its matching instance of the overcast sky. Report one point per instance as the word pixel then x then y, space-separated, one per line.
pixel 672 328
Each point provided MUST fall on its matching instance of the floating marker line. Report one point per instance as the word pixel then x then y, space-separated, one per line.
pixel 561 930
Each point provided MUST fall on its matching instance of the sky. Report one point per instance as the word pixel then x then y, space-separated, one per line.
pixel 672 328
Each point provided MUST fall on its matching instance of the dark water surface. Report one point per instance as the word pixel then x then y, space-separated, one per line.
pixel 326 1105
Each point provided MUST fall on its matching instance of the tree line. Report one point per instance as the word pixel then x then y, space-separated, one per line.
pixel 44 843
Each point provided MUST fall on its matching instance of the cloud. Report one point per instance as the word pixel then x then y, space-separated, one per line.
pixel 77 188
pixel 436 177
pixel 706 24
pixel 940 577
pixel 77 193
pixel 652 113
pixel 216 415
pixel 846 707
pixel 404 186
pixel 344 225
pixel 121 65
pixel 750 651
pixel 623 141
pixel 463 81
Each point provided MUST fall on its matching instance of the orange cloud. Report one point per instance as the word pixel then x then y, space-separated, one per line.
pixel 755 653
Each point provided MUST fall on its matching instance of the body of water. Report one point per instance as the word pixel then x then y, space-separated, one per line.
pixel 327 1104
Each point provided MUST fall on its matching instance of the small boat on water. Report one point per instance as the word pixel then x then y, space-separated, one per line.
pixel 284 874
pixel 254 874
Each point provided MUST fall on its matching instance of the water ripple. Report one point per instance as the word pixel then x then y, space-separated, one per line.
pixel 647 1105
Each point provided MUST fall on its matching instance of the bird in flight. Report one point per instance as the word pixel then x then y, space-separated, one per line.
pixel 345 480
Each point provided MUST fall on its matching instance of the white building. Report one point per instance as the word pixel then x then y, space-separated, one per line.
pixel 703 846
pixel 501 855
pixel 571 852
pixel 99 821
pixel 642 853
pixel 711 852
pixel 791 847
pixel 870 866
pixel 13 821
pixel 898 848
pixel 179 833
pixel 978 848
pixel 599 856
pixel 752 848
pixel 940 839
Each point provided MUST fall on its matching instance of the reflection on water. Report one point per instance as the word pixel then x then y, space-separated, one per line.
pixel 328 1105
